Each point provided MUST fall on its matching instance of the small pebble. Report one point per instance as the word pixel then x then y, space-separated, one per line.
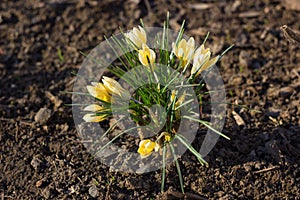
pixel 93 191
pixel 244 59
pixel 43 115
pixel 36 163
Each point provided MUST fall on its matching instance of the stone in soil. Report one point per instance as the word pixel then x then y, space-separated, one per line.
pixel 43 115
pixel 93 191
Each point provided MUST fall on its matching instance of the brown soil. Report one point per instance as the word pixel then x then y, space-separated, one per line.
pixel 42 156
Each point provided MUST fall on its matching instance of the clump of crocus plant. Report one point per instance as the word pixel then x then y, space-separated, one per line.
pixel 185 58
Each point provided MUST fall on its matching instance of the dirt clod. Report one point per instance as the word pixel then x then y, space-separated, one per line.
pixel 93 191
pixel 42 116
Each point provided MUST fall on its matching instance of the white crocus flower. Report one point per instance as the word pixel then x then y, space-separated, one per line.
pixel 92 117
pixel 93 108
pixel 137 36
pixel 202 60
pixel 113 87
pixel 184 50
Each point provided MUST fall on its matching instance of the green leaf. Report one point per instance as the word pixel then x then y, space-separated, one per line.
pixel 205 123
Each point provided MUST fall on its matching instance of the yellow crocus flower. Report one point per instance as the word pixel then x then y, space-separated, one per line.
pixel 92 117
pixel 146 54
pixel 146 147
pixel 98 91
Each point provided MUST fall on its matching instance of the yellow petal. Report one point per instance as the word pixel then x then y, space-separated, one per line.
pixel 114 87
pixel 99 92
pixel 182 44
pixel 201 57
pixel 157 147
pixel 184 50
pixel 91 117
pixel 173 95
pixel 208 64
pixel 191 43
pixel 168 138
pixel 143 57
pixel 146 53
pixel 146 147
pixel 180 99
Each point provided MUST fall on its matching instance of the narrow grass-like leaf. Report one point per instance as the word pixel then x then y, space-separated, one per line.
pixel 206 37
pixel 115 51
pixel 226 50
pixel 205 123
pixel 185 103
pixel 184 141
pixel 111 127
pixel 163 178
pixel 116 137
pixel 98 62
pixel 178 168
pixel 60 55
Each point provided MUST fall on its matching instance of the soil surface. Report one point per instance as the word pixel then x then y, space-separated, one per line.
pixel 41 156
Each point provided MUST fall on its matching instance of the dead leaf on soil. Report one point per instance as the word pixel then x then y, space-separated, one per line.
pixel 171 194
pixel 249 14
pixel 238 119
pixel 200 6
pixel 267 169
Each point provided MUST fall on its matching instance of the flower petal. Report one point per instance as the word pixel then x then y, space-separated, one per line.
pixel 146 147
pixel 98 92
pixel 113 87
pixel 184 50
pixel 137 36
pixel 208 64
pixel 91 117
pixel 146 53
pixel 93 108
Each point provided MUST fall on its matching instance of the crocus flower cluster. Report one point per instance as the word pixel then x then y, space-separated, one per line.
pixel 105 92
pixel 185 52
pixel 157 106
